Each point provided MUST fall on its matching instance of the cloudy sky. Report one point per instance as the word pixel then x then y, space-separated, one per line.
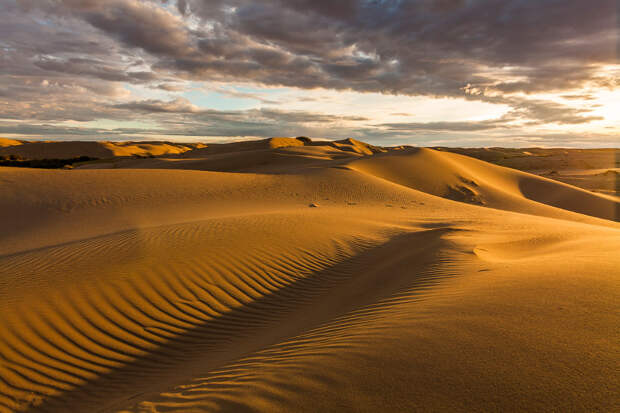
pixel 421 72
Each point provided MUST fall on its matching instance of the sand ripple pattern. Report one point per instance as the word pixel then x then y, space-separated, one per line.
pixel 106 318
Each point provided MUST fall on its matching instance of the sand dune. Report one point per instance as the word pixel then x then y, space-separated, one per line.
pixel 9 142
pixel 465 179
pixel 104 150
pixel 274 155
pixel 203 281
pixel 591 169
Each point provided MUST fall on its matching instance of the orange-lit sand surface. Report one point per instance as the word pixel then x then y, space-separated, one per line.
pixel 198 278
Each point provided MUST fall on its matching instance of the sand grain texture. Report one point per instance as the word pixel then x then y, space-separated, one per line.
pixel 201 280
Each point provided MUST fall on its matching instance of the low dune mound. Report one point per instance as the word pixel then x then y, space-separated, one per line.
pixel 285 142
pixel 275 155
pixel 466 179
pixel 424 170
pixel 149 148
pixel 260 160
pixel 4 142
pixel 101 150
pixel 59 150
pixel 243 146
pixel 347 145
pixel 532 159
pixel 359 147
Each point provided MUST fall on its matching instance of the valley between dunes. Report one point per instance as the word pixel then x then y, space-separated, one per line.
pixel 290 275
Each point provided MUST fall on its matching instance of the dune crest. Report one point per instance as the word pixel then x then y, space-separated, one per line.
pixel 462 178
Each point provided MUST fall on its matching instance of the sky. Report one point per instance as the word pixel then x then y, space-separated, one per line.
pixel 512 73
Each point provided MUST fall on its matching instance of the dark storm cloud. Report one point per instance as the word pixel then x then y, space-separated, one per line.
pixel 422 47
pixel 411 47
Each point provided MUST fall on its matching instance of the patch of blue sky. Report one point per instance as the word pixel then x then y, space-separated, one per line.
pixel 231 97
pixel 270 91
pixel 217 96
pixel 218 101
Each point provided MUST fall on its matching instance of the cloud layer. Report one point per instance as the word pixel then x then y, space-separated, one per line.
pixel 86 60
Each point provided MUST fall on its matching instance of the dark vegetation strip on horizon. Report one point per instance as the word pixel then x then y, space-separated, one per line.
pixel 54 163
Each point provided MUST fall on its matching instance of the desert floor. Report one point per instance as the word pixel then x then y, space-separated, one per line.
pixel 287 275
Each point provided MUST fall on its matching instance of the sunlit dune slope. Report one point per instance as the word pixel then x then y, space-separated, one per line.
pixel 326 277
pixel 9 142
pixel 104 150
pixel 274 155
pixel 591 169
pixel 466 179
pixel 348 145
pixel 440 173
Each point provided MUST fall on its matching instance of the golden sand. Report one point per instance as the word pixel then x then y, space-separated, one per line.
pixel 201 280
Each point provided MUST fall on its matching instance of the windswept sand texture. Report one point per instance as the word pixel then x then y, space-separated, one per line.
pixel 201 280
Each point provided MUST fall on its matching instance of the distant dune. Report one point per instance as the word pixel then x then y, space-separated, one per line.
pixel 63 150
pixel 591 169
pixel 9 142
pixel 168 277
